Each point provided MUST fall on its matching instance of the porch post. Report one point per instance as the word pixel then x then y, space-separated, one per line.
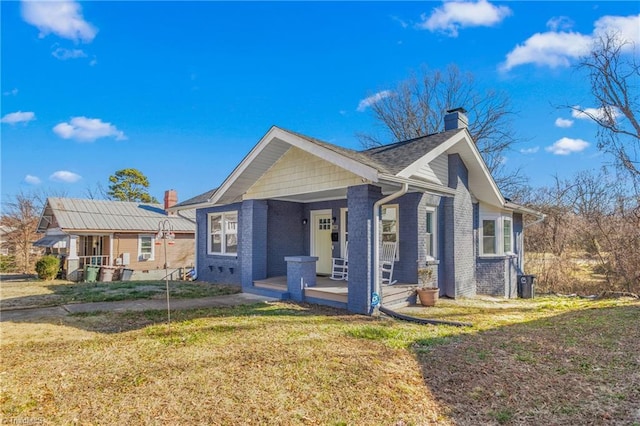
pixel 252 250
pixel 73 262
pixel 360 201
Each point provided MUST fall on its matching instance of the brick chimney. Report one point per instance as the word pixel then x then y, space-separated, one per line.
pixel 170 198
pixel 456 119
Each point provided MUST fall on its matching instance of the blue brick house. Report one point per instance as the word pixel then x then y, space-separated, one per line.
pixel 292 204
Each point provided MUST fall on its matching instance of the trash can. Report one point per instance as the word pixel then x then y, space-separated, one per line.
pixel 106 273
pixel 90 273
pixel 126 274
pixel 526 288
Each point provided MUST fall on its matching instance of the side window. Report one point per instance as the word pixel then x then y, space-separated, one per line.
pixel 145 247
pixel 430 234
pixel 489 236
pixel 223 233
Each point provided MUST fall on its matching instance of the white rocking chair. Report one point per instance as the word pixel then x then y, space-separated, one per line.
pixel 340 265
pixel 387 260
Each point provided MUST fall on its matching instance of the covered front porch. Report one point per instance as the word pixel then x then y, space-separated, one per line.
pixel 335 293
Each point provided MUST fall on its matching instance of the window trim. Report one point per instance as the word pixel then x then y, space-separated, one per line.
pixel 223 233
pixel 506 219
pixel 153 247
pixel 433 211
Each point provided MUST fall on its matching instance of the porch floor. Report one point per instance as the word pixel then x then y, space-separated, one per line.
pixel 337 291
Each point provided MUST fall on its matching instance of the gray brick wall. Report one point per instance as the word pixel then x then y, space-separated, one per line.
pixel 253 242
pixel 459 253
pixel 285 235
pixel 216 268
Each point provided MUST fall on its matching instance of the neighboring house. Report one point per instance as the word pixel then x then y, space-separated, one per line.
pixel 293 202
pixel 117 233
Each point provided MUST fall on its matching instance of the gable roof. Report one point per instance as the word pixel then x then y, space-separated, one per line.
pixel 73 214
pixel 386 165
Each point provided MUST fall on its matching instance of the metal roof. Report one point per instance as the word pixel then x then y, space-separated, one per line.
pixel 106 215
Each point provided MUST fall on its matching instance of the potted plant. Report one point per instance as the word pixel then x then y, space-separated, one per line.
pixel 427 290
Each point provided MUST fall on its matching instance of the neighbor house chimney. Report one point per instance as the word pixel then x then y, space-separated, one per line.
pixel 170 198
pixel 456 119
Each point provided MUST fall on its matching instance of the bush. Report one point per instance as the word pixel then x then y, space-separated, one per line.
pixel 47 267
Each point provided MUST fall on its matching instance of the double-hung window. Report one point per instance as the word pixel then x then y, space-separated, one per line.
pixel 223 233
pixel 145 247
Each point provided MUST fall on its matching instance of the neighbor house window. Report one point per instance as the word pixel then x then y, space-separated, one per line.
pixel 145 247
pixel 223 233
pixel 390 228
pixel 430 234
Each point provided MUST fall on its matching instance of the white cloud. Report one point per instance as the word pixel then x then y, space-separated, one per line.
pixel 64 54
pixel 11 92
pixel 625 27
pixel 530 150
pixel 559 23
pixel 597 113
pixel 65 176
pixel 563 123
pixel 558 48
pixel 367 102
pixel 85 129
pixel 63 18
pixel 400 21
pixel 32 180
pixel 18 117
pixel 551 49
pixel 566 146
pixel 454 15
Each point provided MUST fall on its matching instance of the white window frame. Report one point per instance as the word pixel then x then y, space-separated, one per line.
pixel 432 237
pixel 397 232
pixel 153 246
pixel 499 219
pixel 224 232
pixel 344 230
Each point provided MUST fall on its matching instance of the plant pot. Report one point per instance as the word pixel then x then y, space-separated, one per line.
pixel 428 296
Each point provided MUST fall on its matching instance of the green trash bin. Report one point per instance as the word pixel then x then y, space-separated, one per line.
pixel 91 273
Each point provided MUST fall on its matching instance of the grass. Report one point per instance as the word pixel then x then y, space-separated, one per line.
pixel 295 364
pixel 53 293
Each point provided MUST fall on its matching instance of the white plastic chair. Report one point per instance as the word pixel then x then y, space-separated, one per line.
pixel 340 265
pixel 387 260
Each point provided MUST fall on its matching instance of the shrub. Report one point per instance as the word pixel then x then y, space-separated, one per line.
pixel 47 267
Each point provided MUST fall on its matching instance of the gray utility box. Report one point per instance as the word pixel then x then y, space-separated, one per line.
pixel 526 288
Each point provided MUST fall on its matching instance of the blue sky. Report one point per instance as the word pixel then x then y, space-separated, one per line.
pixel 183 90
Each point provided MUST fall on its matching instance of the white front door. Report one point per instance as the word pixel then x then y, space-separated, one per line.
pixel 321 240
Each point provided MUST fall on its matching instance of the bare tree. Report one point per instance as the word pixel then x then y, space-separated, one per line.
pixel 614 74
pixel 20 215
pixel 418 105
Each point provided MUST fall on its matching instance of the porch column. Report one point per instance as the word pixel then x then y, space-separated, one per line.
pixel 252 250
pixel 73 261
pixel 360 201
pixel 301 273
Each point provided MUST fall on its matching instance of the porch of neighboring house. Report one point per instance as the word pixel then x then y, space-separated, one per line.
pixel 335 292
pixel 93 250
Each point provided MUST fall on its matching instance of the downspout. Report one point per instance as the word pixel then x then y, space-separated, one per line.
pixel 376 235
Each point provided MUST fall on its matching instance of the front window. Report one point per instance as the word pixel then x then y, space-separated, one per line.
pixel 145 247
pixel 390 228
pixel 223 233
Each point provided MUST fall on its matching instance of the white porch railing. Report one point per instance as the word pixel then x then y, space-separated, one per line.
pixel 94 260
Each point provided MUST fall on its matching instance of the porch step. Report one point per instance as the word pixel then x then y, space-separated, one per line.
pixel 396 296
pixel 336 294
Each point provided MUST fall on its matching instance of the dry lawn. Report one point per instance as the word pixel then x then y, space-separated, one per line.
pixel 541 361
